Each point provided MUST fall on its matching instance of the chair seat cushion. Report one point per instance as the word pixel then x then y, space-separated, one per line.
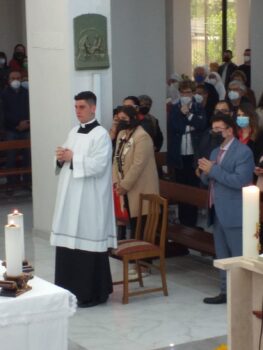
pixel 129 246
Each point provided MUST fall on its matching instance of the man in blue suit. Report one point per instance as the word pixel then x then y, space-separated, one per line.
pixel 229 169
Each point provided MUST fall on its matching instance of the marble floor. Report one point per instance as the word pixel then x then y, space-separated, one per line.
pixel 180 321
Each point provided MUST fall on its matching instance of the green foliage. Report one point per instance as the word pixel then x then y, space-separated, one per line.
pixel 206 18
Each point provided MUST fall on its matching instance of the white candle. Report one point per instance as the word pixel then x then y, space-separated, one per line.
pixel 13 250
pixel 18 219
pixel 250 221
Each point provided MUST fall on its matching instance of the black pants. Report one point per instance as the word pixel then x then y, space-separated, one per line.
pixel 186 176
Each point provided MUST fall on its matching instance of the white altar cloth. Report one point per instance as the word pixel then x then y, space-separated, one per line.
pixel 38 319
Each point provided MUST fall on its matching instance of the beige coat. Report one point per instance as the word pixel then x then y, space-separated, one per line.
pixel 139 168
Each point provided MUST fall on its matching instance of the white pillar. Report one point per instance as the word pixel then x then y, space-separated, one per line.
pixel 256 32
pixel 53 84
pixel 182 51
pixel 243 30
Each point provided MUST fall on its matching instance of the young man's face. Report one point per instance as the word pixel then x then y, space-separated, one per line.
pixel 84 111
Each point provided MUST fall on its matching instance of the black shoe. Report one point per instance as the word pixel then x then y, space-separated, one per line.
pixel 90 303
pixel 83 304
pixel 219 299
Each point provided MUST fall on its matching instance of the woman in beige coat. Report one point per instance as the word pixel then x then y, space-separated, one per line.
pixel 134 167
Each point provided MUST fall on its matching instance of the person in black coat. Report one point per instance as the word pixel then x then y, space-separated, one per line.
pixel 200 74
pixel 186 123
pixel 227 68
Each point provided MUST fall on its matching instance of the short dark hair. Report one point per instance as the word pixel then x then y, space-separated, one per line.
pixel 88 96
pixel 229 121
pixel 229 51
pixel 134 99
pixel 130 111
pixel 186 84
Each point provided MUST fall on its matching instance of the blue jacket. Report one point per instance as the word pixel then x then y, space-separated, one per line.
pixel 234 172
pixel 176 125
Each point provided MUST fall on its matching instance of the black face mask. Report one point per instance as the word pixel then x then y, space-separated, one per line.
pixel 217 137
pixel 226 59
pixel 144 110
pixel 19 56
pixel 123 125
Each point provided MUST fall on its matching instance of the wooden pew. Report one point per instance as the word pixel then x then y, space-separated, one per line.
pixel 6 146
pixel 189 237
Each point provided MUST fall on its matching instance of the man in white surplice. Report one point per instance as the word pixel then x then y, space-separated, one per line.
pixel 83 225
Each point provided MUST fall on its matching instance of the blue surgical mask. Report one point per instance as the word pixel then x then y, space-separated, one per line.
pixel 185 100
pixel 233 95
pixel 198 98
pixel 199 78
pixel 243 121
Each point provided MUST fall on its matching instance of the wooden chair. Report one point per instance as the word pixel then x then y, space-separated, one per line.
pixel 146 245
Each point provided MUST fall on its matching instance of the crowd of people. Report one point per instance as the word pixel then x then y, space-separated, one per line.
pixel 14 108
pixel 215 140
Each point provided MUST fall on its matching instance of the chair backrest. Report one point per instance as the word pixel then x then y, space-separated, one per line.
pixel 156 220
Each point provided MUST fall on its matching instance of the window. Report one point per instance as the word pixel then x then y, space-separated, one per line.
pixel 206 30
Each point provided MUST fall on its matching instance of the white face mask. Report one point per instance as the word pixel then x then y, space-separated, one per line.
pixel 185 100
pixel 2 61
pixel 198 98
pixel 233 95
pixel 15 84
pixel 212 81
pixel 246 58
pixel 25 84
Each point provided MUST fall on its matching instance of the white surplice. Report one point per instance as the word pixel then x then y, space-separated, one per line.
pixel 84 214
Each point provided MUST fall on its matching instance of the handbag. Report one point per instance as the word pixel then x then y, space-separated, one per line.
pixel 121 212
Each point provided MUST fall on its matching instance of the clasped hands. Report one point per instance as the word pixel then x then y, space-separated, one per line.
pixel 205 165
pixel 120 190
pixel 64 154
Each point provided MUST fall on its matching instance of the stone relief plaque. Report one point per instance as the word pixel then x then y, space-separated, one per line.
pixel 90 40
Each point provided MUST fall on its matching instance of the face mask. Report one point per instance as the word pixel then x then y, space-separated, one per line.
pixel 123 125
pixel 217 137
pixel 25 84
pixel 233 95
pixel 198 98
pixel 243 121
pixel 246 58
pixel 212 81
pixel 199 78
pixel 185 100
pixel 15 84
pixel 19 56
pixel 2 60
pixel 144 110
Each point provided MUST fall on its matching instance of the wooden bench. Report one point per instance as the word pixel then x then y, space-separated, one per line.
pixel 189 237
pixel 6 146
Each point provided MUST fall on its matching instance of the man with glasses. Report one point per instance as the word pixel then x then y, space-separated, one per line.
pixel 229 169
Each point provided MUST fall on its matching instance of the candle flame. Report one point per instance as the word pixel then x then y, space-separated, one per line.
pixel 15 212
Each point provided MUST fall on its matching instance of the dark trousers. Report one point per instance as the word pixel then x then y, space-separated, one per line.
pixel 186 176
pixel 11 154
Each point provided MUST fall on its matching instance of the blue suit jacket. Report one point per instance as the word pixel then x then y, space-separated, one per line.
pixel 234 172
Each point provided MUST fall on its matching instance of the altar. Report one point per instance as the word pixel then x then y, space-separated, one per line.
pixel 38 319
pixel 245 295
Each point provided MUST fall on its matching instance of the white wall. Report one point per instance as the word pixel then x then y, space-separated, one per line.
pixel 12 25
pixel 243 29
pixel 256 31
pixel 139 52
